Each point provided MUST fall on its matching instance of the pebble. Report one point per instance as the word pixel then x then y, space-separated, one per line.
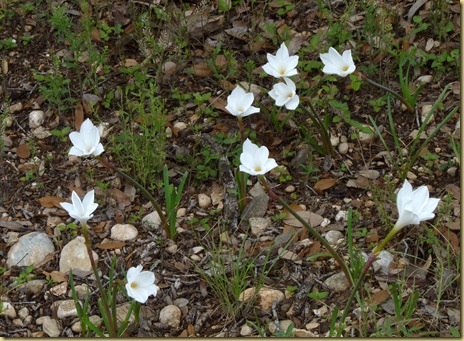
pixel 30 249
pixel 172 249
pixel 153 220
pixel 425 111
pixel 452 171
pixel 333 237
pixel 181 212
pixel 259 225
pixel 338 282
pixel 17 322
pixel 124 232
pixel 246 330
pixel 170 316
pixel 8 310
pixel 203 200
pixel 411 176
pixel 66 309
pixel 303 333
pixel 334 141
pixel 34 286
pixel 367 138
pixel 51 327
pixel 182 304
pixel 59 289
pixel 81 291
pixel 36 118
pixel 383 262
pixel 341 215
pixel 180 125
pixel 74 256
pixel 343 148
pixel 290 189
pixel 15 108
pixel 121 313
pixel 266 297
pixel 23 313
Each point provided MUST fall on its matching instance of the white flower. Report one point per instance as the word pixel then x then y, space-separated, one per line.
pixel 285 94
pixel 255 160
pixel 281 65
pixel 141 284
pixel 86 141
pixel 337 64
pixel 81 210
pixel 414 206
pixel 239 103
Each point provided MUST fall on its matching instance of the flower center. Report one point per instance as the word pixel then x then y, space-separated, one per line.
pixel 258 169
pixel 282 71
pixel 133 285
pixel 345 68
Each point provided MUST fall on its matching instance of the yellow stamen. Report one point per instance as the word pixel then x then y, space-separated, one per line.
pixel 345 68
pixel 133 285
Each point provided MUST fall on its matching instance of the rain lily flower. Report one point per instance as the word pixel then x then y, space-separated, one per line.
pixel 285 94
pixel 281 65
pixel 239 103
pixel 337 64
pixel 81 210
pixel 141 284
pixel 255 160
pixel 86 141
pixel 414 206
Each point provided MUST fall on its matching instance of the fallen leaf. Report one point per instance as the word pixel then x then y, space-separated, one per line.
pixel 324 184
pixel 78 116
pixel 23 151
pixel 379 297
pixel 218 103
pixel 122 198
pixel 56 276
pixel 313 219
pixel 51 201
pixel 202 70
pixel 360 182
pixel 454 225
pixel 115 245
pixel 371 174
pixel 130 62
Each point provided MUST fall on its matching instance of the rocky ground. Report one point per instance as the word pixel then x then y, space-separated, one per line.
pixel 39 244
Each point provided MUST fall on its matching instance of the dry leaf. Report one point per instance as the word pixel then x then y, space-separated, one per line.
pixel 324 184
pixel 202 70
pixel 379 297
pixel 115 245
pixel 130 62
pixel 51 201
pixel 313 219
pixel 23 151
pixel 122 198
pixel 79 116
pixel 218 103
pixel 57 276
pixel 359 182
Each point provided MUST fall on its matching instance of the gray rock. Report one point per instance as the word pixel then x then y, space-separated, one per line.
pixel 74 256
pixel 257 207
pixel 124 232
pixel 8 310
pixel 259 225
pixel 66 309
pixel 95 319
pixel 34 286
pixel 170 316
pixel 36 118
pixel 30 249
pixel 333 237
pixel 204 200
pixel 23 313
pixel 338 282
pixel 343 148
pixel 153 220
pixel 51 327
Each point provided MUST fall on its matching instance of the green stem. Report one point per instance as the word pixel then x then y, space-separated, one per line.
pixel 242 184
pixel 401 98
pixel 384 242
pixel 316 234
pixel 322 129
pixel 144 191
pixel 368 264
pixel 113 330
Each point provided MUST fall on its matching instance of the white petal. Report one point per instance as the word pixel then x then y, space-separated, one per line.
pixel 77 140
pixel 76 152
pixel 293 103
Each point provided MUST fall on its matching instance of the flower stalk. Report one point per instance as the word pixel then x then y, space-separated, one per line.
pixel 242 202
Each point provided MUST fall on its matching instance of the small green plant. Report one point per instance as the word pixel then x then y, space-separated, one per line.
pixel 173 197
pixel 61 134
pixel 8 44
pixel 25 275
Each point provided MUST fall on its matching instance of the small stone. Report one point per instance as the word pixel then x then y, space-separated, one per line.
pixel 27 320
pixel 303 333
pixel 333 237
pixel 74 256
pixel 153 220
pixel 121 313
pixel 182 303
pixel 8 121
pixel 66 309
pixel 383 262
pixel 257 190
pixel 321 311
pixel 259 225
pixel 15 108
pixel 452 171
pixel 51 327
pixel 246 330
pixel 181 212
pixel 8 310
pixel 59 289
pixel 290 189
pixel 411 176
pixel 343 148
pixel 312 325
pixel 266 297
pixel 172 249
pixel 81 291
pixel 284 324
pixel 341 215
pixel 23 313
pixel 367 138
pixel 30 249
pixel 40 320
pixel 203 200
pixel 180 125
pixel 169 68
pixel 54 221
pixel 334 141
pixel 168 132
pixel 338 282
pixel 170 316
pixel 17 322
pixel 34 286
pixel 36 118
pixel 425 111
pixel 124 232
